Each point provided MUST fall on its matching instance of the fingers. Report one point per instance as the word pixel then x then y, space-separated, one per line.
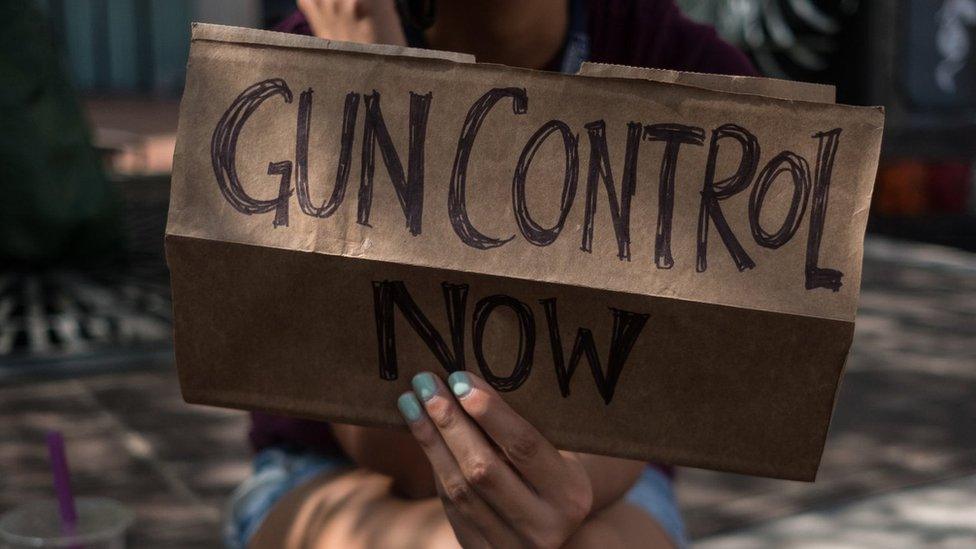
pixel 483 468
pixel 466 532
pixel 365 21
pixel 464 507
pixel 542 500
pixel 554 477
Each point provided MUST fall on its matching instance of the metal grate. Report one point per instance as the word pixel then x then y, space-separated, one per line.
pixel 52 318
pixel 64 322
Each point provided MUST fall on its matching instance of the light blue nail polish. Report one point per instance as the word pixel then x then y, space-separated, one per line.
pixel 424 385
pixel 409 406
pixel 460 383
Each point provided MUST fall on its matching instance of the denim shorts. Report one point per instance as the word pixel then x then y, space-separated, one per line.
pixel 278 470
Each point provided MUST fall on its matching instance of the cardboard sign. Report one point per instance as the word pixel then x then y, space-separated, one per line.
pixel 768 87
pixel 643 269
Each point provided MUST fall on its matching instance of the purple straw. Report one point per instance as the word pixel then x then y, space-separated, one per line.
pixel 62 480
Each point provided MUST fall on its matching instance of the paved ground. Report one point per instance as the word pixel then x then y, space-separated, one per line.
pixel 939 514
pixel 130 437
pixel 905 419
pixel 899 469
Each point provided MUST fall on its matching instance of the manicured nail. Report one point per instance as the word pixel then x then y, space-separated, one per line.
pixel 409 406
pixel 424 385
pixel 460 383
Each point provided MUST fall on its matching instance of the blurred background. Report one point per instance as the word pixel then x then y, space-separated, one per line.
pixel 90 98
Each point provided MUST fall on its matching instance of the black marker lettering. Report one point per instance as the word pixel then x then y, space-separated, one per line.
pixel 223 152
pixel 627 327
pixel 284 170
pixel 456 200
pixel 526 344
pixel 817 277
pixel 799 170
pixel 600 169
pixel 345 154
pixel 673 135
pixel 388 293
pixel 532 231
pixel 714 191
pixel 409 189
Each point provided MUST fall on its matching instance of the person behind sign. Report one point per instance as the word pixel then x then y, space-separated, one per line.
pixel 471 470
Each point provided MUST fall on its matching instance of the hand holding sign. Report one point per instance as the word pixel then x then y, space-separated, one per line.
pixel 502 483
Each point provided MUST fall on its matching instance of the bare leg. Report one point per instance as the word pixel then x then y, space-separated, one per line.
pixel 356 509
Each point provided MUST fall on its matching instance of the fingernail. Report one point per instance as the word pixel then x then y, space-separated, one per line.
pixel 409 406
pixel 424 385
pixel 460 383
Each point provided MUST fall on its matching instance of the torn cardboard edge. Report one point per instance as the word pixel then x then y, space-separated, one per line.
pixel 751 85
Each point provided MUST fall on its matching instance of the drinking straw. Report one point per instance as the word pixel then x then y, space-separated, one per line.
pixel 62 480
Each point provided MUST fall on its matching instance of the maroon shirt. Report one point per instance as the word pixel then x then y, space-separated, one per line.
pixel 641 33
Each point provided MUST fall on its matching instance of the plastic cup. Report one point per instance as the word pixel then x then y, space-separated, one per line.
pixel 102 524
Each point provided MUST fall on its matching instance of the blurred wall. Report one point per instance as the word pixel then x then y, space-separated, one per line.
pixel 136 46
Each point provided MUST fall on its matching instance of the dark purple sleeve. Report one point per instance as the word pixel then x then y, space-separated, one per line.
pixel 654 33
pixel 271 430
pixel 294 24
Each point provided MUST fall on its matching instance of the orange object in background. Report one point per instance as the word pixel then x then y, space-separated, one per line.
pixel 900 188
pixel 912 187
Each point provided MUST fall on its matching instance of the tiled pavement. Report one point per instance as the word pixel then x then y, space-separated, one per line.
pixel 903 437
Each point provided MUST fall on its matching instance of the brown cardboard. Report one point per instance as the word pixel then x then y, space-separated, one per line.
pixel 768 87
pixel 284 288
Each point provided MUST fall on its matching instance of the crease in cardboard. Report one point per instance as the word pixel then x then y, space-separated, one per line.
pixel 552 282
pixel 355 249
